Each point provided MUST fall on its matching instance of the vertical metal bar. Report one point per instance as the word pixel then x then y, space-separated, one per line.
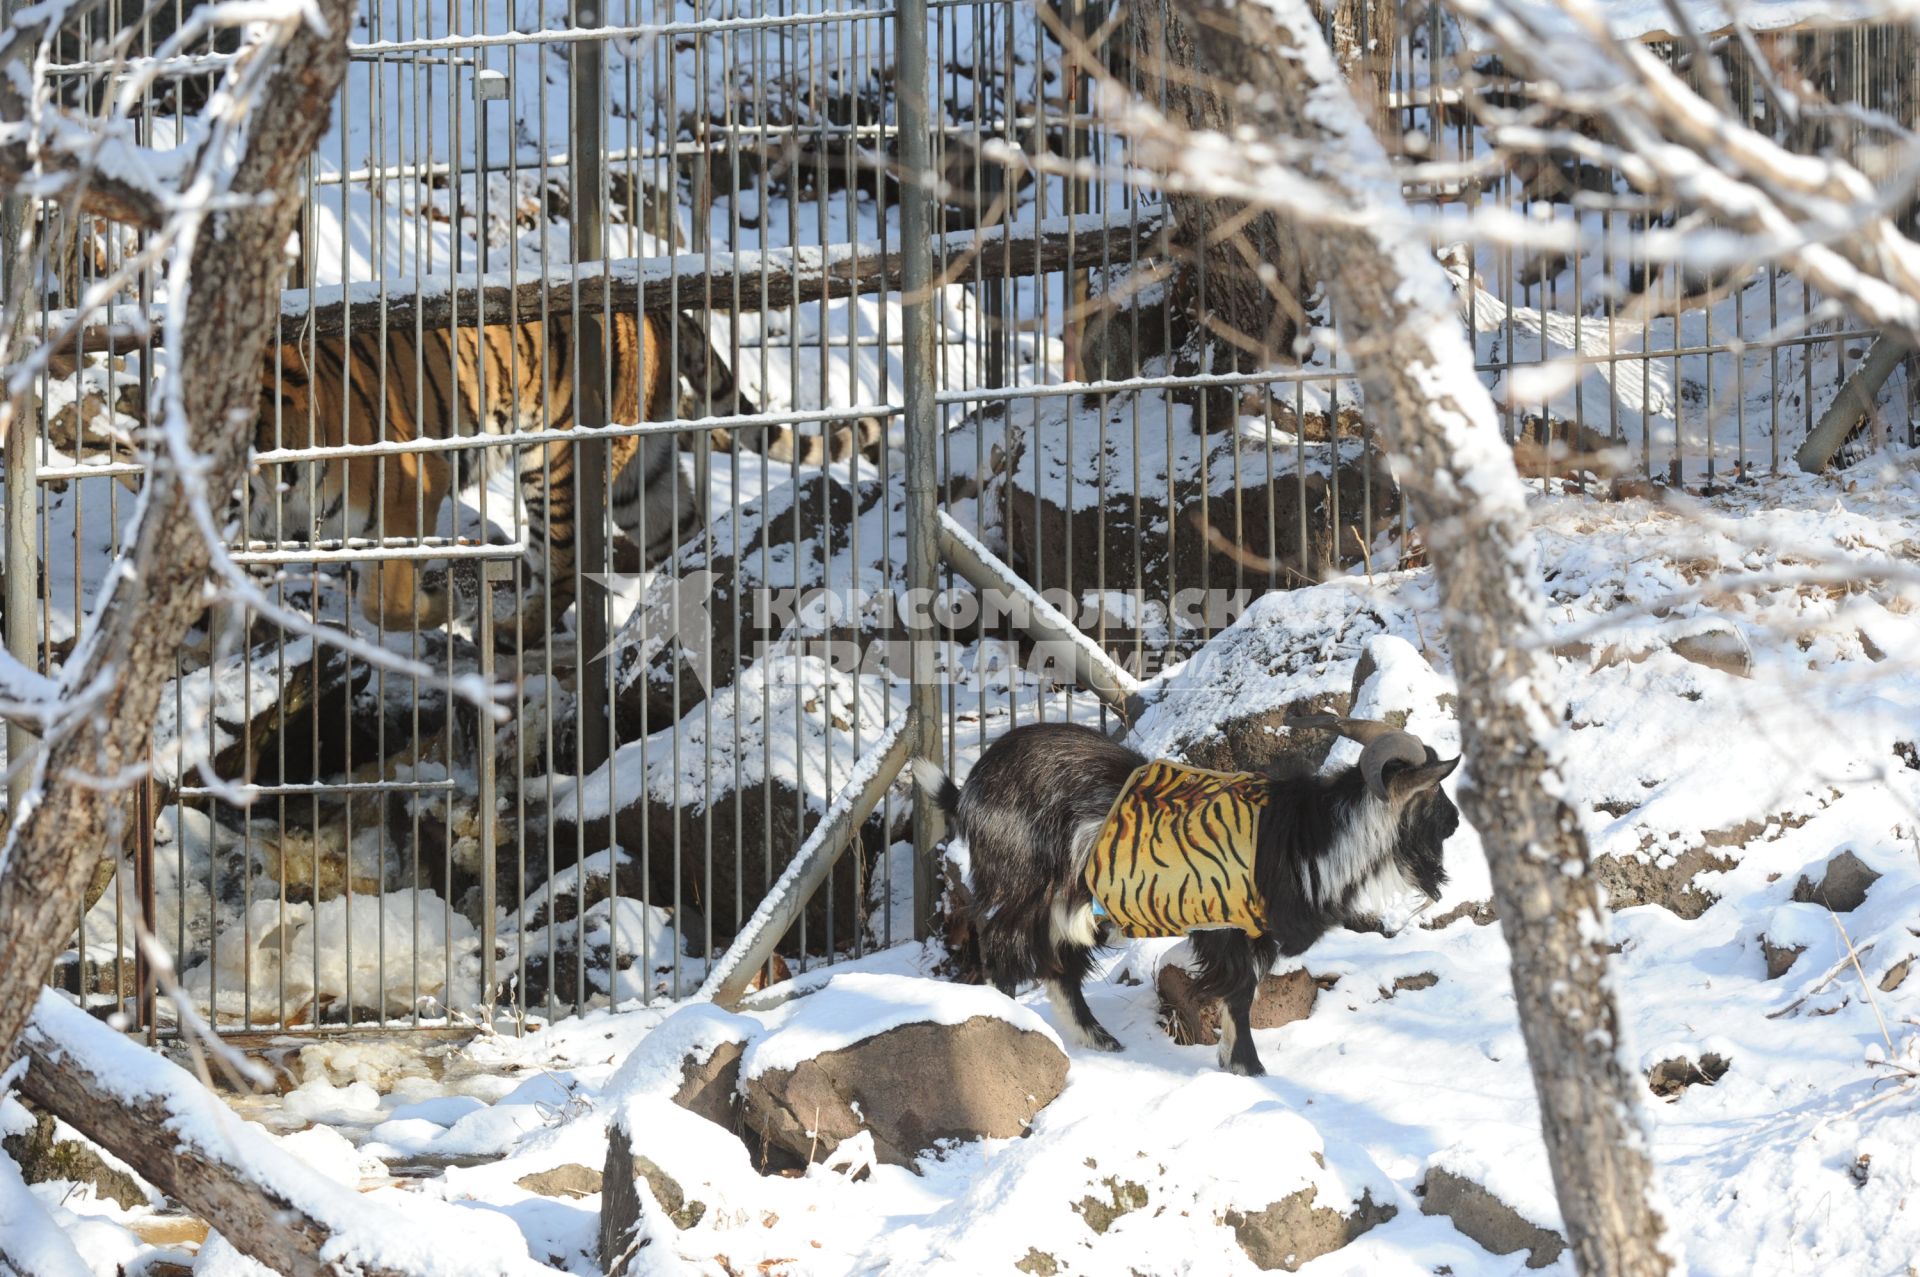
pixel 23 500
pixel 917 377
pixel 586 149
pixel 492 572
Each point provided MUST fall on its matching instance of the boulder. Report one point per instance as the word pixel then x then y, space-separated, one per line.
pixel 1780 957
pixel 1720 649
pixel 621 1212
pixel 715 592
pixel 1671 1076
pixel 1842 887
pixel 1669 882
pixel 710 1086
pixel 908 1084
pixel 1286 1234
pixel 1185 510
pixel 1193 1020
pixel 1261 742
pixel 714 827
pixel 568 1180
pixel 1220 708
pixel 1486 1219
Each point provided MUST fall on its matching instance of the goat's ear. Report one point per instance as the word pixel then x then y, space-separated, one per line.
pixel 1409 782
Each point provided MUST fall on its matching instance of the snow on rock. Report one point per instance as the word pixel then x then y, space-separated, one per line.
pixel 1146 1189
pixel 691 1035
pixel 853 1007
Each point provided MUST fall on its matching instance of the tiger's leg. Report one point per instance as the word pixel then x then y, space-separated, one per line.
pixel 1230 966
pixel 544 474
pixel 412 488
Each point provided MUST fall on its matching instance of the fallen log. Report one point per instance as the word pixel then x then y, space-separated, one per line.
pixel 270 1206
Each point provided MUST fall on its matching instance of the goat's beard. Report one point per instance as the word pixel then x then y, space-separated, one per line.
pixel 1389 900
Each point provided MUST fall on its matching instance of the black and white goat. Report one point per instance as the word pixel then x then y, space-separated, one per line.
pixel 1329 850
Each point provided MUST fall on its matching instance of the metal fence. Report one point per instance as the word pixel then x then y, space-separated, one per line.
pixel 959 294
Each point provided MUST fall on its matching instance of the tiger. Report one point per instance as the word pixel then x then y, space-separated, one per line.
pixel 405 386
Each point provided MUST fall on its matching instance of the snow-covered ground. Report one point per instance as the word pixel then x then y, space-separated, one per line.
pixel 1799 1159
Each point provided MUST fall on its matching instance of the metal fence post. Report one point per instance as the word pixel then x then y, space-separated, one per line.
pixel 586 164
pixel 23 502
pixel 922 427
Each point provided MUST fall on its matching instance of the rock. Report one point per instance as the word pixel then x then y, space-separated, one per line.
pixel 1720 649
pixel 910 1086
pixel 711 1087
pixel 678 799
pixel 1670 1077
pixel 1286 1234
pixel 1123 1197
pixel 569 1180
pixel 713 590
pixel 1193 1020
pixel 1479 912
pixel 1037 1263
pixel 1261 741
pixel 44 1158
pixel 1229 517
pixel 1486 1219
pixel 1842 887
pixel 620 1211
pixel 1219 709
pixel 1780 957
pixel 1406 983
pixel 1632 880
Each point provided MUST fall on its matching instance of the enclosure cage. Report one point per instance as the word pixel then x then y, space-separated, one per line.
pixel 522 212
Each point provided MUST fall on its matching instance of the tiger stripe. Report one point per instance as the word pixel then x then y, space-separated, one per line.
pixel 1176 853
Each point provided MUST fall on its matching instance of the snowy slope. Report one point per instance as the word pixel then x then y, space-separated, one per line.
pixel 1799 1159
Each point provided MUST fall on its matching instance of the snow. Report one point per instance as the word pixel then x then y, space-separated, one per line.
pixel 373 1230
pixel 850 1008
pixel 1377 1086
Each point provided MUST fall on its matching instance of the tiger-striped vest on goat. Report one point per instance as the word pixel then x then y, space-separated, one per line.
pixel 1176 853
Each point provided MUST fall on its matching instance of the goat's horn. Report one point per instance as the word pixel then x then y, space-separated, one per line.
pixel 1389 746
pixel 1363 730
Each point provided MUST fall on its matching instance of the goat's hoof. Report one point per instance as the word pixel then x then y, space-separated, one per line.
pixel 1247 1068
pixel 1099 1039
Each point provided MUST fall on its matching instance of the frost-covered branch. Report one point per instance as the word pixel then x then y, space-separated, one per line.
pixel 1756 200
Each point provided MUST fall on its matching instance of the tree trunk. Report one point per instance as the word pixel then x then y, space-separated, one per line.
pixel 1397 316
pixel 1237 301
pixel 1363 36
pixel 92 751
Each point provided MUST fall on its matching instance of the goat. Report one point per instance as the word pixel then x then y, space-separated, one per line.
pixel 1324 850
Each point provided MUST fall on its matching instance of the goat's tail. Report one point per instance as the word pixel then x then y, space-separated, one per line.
pixel 939 787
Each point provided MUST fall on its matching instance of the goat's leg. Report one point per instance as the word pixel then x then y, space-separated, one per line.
pixel 1229 969
pixel 1072 964
pixel 1070 1004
